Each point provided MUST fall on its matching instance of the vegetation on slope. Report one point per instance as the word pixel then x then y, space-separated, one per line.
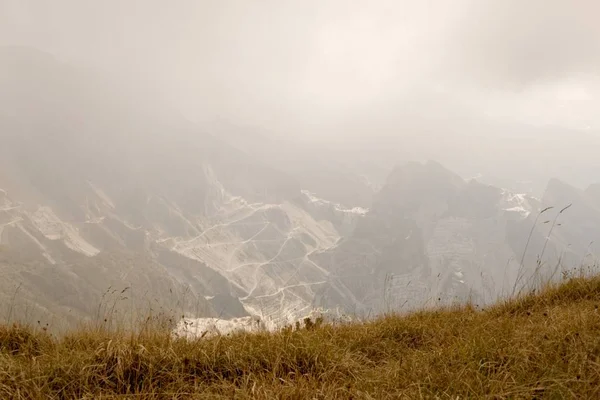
pixel 544 345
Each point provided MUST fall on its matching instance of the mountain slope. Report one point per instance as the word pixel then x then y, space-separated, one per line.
pixel 110 188
pixel 103 186
pixel 89 171
pixel 430 238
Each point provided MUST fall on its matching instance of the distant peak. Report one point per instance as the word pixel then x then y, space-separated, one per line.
pixel 427 171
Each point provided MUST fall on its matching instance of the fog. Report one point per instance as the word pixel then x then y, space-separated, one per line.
pixel 505 89
pixel 268 144
pixel 303 66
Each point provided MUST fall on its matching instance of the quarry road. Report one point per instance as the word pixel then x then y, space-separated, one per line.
pixel 281 289
pixel 10 208
pixel 226 224
pixel 11 222
pixel 260 265
pixel 234 252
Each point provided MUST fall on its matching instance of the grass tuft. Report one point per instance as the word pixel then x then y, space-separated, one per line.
pixel 22 340
pixel 540 345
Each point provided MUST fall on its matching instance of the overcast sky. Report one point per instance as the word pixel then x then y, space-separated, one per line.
pixel 304 66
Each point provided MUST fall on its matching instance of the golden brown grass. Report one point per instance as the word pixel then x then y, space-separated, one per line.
pixel 544 345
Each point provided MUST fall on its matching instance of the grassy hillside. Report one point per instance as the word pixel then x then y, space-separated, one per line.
pixel 543 345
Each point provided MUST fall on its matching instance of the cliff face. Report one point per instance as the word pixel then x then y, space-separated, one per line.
pixel 431 237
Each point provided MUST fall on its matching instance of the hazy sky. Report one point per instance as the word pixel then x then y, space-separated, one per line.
pixel 302 66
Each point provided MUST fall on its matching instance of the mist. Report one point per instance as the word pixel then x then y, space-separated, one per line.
pixel 274 157
pixel 306 68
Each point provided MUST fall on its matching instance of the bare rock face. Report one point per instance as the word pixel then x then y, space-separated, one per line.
pixel 430 238
pixel 195 328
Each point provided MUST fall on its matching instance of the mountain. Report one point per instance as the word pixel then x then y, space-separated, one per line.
pixel 430 237
pixel 112 201
pixel 103 186
pixel 97 183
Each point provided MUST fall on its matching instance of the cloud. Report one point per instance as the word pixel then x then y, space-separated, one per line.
pixel 297 65
pixel 516 43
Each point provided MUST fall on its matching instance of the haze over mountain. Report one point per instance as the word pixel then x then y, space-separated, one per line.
pixel 341 155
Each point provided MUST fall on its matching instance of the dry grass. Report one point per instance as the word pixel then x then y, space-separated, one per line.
pixel 543 345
